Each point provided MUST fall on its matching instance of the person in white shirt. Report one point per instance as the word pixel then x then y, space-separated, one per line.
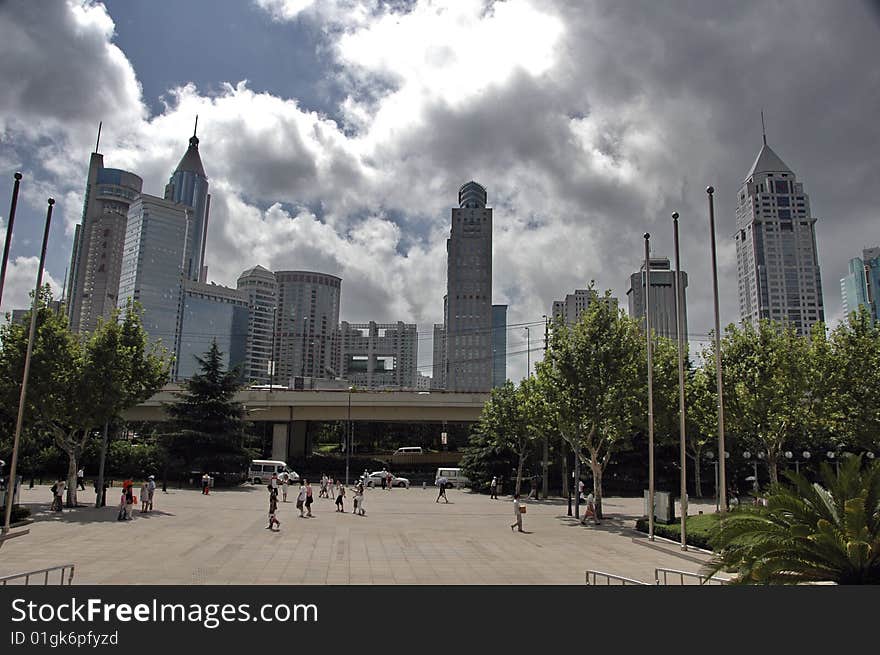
pixel 285 484
pixel 517 512
pixel 145 496
pixel 151 489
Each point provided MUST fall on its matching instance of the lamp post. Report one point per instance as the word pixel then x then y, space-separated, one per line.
pixel 797 462
pixel 650 387
pixel 722 473
pixel 747 455
pixel 35 307
pixel 681 407
pixel 832 456
pixel 348 437
pixel 272 361
pixel 718 465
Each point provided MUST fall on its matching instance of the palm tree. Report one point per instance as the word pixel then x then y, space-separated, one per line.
pixel 808 532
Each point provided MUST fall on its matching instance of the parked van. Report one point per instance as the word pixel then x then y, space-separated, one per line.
pixel 454 477
pixel 409 450
pixel 261 470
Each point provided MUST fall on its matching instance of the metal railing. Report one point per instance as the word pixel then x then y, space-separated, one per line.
pixel 593 577
pixel 26 576
pixel 688 576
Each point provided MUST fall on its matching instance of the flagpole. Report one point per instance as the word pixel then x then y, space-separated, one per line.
pixel 722 491
pixel 650 387
pixel 9 224
pixel 679 329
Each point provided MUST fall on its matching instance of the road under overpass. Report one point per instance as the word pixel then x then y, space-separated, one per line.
pixel 290 411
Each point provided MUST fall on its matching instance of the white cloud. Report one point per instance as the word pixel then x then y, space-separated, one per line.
pixel 21 277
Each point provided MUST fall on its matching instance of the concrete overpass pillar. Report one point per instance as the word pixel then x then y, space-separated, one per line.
pixel 280 440
pixel 298 441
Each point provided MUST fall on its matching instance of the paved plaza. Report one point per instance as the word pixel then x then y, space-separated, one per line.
pixel 405 538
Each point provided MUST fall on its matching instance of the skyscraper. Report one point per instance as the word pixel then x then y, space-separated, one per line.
pixel 862 285
pixel 469 293
pixel 98 243
pixel 662 298
pixel 152 272
pixel 570 310
pixel 438 379
pixel 212 313
pixel 189 186
pixel 306 344
pixel 262 291
pixel 499 345
pixel 777 259
pixel 379 355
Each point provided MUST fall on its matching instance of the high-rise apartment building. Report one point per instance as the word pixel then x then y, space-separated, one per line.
pixel 212 313
pixel 862 285
pixel 438 379
pixel 262 292
pixel 93 279
pixel 662 298
pixel 306 343
pixel 153 260
pixel 189 186
pixel 499 345
pixel 379 355
pixel 777 259
pixel 570 310
pixel 468 326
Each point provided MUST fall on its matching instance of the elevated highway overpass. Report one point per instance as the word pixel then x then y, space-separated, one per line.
pixel 290 411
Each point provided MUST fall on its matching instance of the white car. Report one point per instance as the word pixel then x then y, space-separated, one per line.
pixel 375 480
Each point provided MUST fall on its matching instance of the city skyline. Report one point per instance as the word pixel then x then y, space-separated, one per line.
pixel 350 173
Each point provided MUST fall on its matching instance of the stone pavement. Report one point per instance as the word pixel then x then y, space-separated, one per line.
pixel 405 538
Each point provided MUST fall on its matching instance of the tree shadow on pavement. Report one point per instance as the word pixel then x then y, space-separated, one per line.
pixel 42 513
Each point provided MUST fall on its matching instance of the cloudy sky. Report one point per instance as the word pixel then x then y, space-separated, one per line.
pixel 336 133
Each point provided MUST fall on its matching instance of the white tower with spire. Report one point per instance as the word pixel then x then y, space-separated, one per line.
pixel 777 259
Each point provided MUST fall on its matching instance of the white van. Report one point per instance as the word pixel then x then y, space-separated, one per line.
pixel 409 450
pixel 261 470
pixel 454 477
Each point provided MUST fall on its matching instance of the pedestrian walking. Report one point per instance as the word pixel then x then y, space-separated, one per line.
pixel 151 490
pixel 590 511
pixel 145 496
pixel 301 500
pixel 57 490
pixel 390 479
pixel 442 482
pixel 285 485
pixel 206 484
pixel 273 507
pixel 308 499
pixel 360 500
pixel 340 498
pixel 518 510
pixel 81 479
pixel 121 515
pixel 493 487
pixel 128 492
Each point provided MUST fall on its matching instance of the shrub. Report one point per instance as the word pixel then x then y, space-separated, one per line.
pixel 699 528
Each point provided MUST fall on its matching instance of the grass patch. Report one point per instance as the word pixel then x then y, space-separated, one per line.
pixel 698 528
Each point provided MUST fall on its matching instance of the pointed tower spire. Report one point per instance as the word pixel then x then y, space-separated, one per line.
pixel 763 129
pixel 196 126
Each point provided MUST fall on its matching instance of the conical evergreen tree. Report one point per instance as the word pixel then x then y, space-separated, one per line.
pixel 209 426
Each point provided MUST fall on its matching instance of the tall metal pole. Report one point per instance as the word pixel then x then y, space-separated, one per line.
pixel 722 477
pixel 348 438
pixel 9 224
pixel 545 482
pixel 679 330
pixel 10 493
pixel 650 387
pixel 274 332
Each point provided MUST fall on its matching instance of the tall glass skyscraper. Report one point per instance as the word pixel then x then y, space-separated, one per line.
pixel 189 186
pixel 499 345
pixel 156 242
pixel 862 285
pixel 777 259
pixel 93 279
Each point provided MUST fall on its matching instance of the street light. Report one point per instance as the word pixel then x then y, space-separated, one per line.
pixel 797 462
pixel 831 455
pixel 718 466
pixel 348 437
pixel 747 455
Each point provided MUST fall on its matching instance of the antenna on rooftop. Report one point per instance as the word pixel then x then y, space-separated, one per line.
pixel 98 141
pixel 763 129
pixel 196 126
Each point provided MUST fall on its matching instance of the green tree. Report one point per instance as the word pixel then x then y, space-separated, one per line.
pixel 850 374
pixel 766 387
pixel 121 371
pixel 826 532
pixel 593 377
pixel 209 426
pixel 702 414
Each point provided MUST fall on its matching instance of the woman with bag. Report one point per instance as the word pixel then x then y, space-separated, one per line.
pixel 518 510
pixel 301 500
